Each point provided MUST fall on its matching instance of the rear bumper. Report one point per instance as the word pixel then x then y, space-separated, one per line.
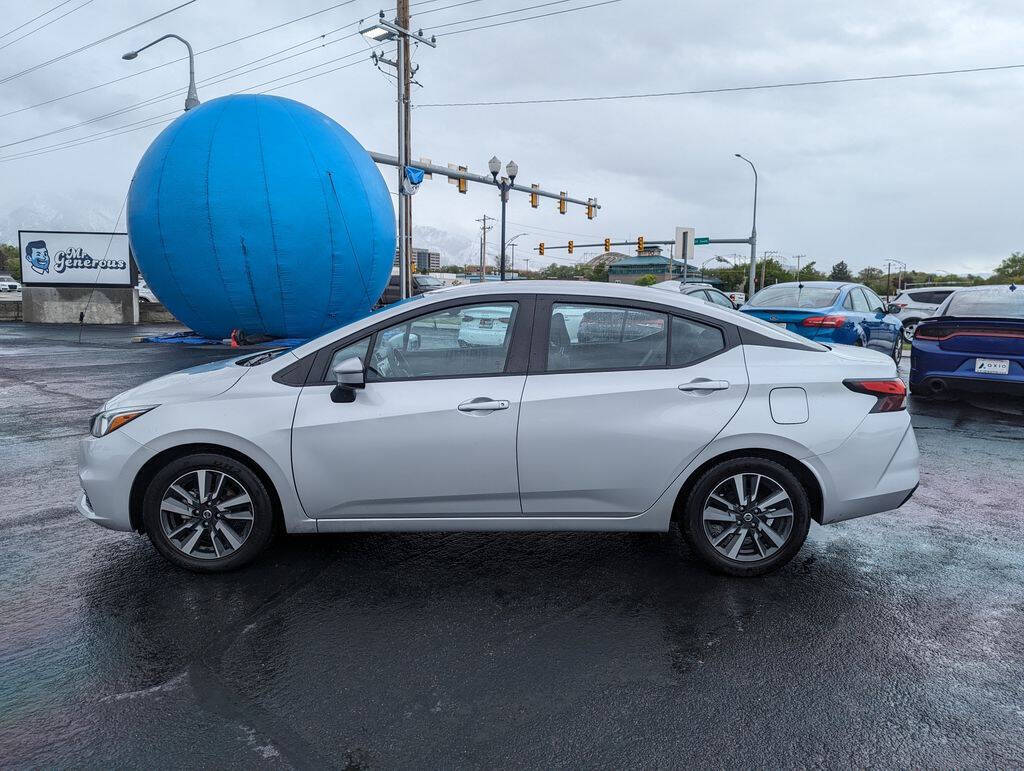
pixel 874 470
pixel 939 382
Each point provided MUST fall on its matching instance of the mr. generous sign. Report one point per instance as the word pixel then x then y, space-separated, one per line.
pixel 61 257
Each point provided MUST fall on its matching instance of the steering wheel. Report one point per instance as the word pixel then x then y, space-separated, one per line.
pixel 399 363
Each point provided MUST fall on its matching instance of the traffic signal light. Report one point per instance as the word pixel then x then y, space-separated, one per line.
pixel 462 184
pixel 541 248
pixel 570 247
pixel 561 203
pixel 607 244
pixel 639 244
pixel 534 198
pixel 590 208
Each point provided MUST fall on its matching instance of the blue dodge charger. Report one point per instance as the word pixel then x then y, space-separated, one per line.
pixel 831 312
pixel 974 342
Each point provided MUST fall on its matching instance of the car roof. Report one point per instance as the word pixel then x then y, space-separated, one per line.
pixel 933 288
pixel 819 284
pixel 611 291
pixel 980 287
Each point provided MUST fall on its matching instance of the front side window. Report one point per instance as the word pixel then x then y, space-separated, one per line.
pixel 719 299
pixel 874 302
pixel 456 342
pixel 355 349
pixel 860 302
pixel 597 337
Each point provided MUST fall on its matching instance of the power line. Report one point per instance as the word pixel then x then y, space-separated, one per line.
pixel 34 18
pixel 529 18
pixel 181 59
pixel 47 24
pixel 87 46
pixel 501 13
pixel 698 91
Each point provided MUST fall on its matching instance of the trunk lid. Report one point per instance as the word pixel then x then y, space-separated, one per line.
pixel 975 335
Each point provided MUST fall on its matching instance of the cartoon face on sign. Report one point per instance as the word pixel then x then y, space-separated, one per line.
pixel 38 256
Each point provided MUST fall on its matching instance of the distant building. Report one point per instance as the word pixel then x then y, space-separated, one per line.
pixel 629 270
pixel 424 260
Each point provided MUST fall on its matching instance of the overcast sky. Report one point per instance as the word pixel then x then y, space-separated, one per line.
pixel 927 170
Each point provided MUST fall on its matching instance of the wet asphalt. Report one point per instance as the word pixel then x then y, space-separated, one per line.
pixel 894 640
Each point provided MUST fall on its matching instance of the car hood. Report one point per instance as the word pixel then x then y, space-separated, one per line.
pixel 186 385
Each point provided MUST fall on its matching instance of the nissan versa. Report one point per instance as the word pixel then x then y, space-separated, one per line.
pixel 515 406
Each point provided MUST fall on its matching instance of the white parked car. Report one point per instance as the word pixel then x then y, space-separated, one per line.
pixel 656 409
pixel 8 284
pixel 918 304
pixel 704 292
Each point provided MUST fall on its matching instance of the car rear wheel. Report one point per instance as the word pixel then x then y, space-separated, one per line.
pixel 208 513
pixel 909 327
pixel 747 516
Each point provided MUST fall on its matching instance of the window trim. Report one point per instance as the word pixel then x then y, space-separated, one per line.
pixel 518 350
pixel 542 323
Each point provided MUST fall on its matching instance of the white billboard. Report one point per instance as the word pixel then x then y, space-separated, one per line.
pixel 65 258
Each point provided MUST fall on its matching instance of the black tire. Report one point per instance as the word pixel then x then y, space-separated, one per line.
pixel 255 538
pixel 693 525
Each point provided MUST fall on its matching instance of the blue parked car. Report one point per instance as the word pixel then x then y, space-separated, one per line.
pixel 974 342
pixel 831 312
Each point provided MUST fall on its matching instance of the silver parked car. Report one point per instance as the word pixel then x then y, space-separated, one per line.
pixel 918 304
pixel 704 292
pixel 649 409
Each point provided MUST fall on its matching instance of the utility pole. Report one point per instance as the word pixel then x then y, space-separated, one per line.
pixel 405 78
pixel 378 31
pixel 753 230
pixel 484 227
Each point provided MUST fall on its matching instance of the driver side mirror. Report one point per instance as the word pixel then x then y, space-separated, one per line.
pixel 893 308
pixel 349 375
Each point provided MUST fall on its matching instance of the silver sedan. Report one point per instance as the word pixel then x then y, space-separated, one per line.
pixel 513 406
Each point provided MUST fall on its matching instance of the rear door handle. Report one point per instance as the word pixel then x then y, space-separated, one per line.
pixel 705 385
pixel 483 404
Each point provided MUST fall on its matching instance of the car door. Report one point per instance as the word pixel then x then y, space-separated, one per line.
pixel 882 328
pixel 433 432
pixel 612 413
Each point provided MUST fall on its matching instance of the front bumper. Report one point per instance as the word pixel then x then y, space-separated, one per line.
pixel 106 469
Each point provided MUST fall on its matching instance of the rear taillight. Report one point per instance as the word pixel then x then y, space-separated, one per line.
pixel 831 322
pixel 891 393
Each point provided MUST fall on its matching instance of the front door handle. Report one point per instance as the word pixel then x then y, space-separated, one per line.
pixel 483 404
pixel 705 385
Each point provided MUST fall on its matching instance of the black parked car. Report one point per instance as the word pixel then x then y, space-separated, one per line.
pixel 420 283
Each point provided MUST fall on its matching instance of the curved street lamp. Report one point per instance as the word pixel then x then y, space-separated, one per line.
pixel 192 98
pixel 504 185
pixel 753 229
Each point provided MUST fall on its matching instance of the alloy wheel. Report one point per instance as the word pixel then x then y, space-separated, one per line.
pixel 908 331
pixel 748 517
pixel 206 514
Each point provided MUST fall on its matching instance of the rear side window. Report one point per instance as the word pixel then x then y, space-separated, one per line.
pixel 930 296
pixel 719 299
pixel 692 341
pixel 600 337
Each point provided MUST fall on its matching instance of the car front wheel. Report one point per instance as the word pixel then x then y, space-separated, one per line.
pixel 747 516
pixel 208 513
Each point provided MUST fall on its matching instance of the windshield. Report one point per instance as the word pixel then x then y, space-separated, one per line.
pixel 997 302
pixel 793 296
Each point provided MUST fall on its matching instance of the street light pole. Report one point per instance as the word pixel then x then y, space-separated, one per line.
pixel 504 185
pixel 192 98
pixel 753 230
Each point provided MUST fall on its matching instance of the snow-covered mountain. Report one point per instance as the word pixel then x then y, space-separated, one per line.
pixel 57 212
pixel 455 248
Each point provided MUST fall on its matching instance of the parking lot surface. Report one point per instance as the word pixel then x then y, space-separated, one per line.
pixel 894 640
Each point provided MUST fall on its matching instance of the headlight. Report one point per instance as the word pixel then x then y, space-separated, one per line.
pixel 102 423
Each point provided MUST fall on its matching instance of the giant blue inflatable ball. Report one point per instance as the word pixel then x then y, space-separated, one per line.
pixel 261 214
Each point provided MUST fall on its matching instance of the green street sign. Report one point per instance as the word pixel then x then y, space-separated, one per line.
pixel 701 241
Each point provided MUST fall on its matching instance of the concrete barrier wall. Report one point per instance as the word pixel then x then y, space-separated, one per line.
pixel 62 305
pixel 10 310
pixel 155 313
